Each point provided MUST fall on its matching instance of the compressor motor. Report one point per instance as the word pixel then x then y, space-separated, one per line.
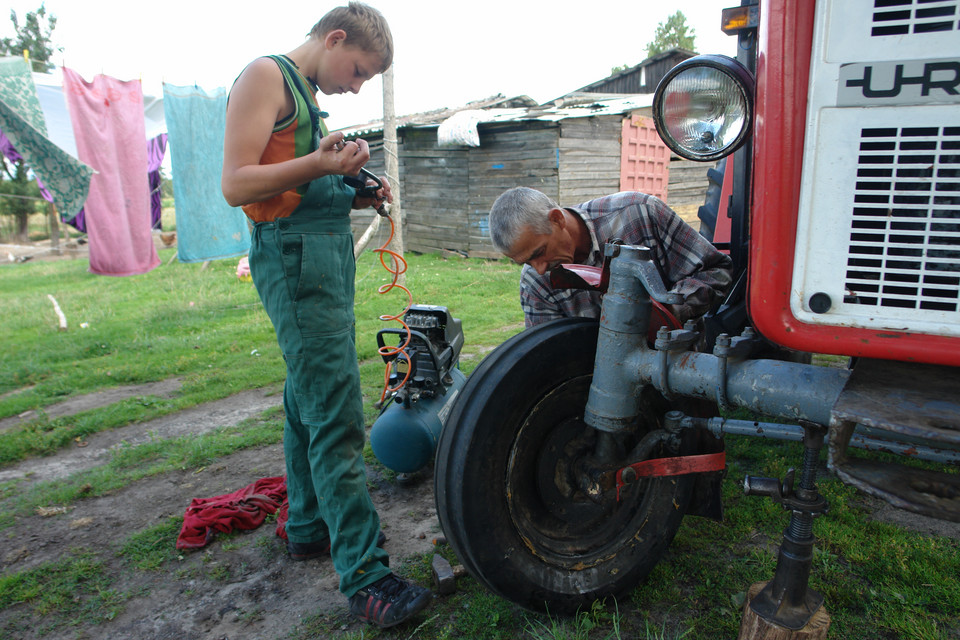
pixel 404 437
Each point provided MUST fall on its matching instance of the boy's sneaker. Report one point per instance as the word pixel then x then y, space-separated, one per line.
pixel 389 601
pixel 310 550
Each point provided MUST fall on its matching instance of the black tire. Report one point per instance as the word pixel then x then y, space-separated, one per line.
pixel 503 462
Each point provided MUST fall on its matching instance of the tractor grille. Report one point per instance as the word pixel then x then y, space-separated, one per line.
pixel 905 235
pixel 902 17
pixel 878 221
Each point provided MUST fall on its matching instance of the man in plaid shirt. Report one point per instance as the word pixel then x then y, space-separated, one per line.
pixel 531 229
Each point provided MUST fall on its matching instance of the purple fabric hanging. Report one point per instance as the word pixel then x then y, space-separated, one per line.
pixel 8 150
pixel 79 222
pixel 156 149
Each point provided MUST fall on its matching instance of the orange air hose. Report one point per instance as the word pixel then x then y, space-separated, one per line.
pixel 397 267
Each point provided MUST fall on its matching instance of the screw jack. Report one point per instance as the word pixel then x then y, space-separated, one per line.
pixel 787 600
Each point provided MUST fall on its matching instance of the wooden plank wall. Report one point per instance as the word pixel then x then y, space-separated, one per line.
pixel 434 187
pixel 509 156
pixel 589 158
pixel 687 188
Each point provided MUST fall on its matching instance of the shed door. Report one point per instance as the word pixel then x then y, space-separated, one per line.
pixel 644 158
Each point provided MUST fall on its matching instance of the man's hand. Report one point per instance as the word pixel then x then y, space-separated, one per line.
pixel 681 312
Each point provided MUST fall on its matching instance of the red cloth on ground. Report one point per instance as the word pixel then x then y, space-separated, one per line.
pixel 243 509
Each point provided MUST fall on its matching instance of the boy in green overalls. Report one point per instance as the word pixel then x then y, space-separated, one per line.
pixel 285 170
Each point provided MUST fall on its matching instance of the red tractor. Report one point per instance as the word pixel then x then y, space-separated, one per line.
pixel 575 448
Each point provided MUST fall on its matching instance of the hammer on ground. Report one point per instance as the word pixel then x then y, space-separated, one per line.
pixel 444 575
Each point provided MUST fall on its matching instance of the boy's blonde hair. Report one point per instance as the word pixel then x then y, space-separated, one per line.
pixel 366 29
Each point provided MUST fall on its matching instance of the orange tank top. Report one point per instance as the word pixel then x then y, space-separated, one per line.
pixel 293 137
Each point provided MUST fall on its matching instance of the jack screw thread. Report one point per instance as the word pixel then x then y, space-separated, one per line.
pixel 801 523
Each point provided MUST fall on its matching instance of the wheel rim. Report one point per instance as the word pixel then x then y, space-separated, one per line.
pixel 553 514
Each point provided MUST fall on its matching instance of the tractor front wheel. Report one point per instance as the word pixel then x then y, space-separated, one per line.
pixel 508 479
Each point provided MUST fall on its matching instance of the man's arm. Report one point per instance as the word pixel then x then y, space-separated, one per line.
pixel 699 272
pixel 537 309
pixel 542 303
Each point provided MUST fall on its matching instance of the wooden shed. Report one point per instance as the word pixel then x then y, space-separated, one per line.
pixel 575 149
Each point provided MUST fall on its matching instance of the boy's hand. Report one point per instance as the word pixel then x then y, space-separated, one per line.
pixel 340 157
pixel 383 195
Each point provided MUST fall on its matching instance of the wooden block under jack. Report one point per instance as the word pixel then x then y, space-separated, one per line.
pixel 753 627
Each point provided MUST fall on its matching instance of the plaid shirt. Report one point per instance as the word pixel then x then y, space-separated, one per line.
pixel 689 264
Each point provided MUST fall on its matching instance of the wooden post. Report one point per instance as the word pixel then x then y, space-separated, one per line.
pixel 367 235
pixel 54 228
pixel 60 315
pixel 392 163
pixel 753 627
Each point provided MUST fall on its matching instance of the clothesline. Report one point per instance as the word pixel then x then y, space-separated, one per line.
pixel 11 195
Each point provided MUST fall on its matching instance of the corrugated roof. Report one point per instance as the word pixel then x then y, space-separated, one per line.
pixel 685 53
pixel 576 105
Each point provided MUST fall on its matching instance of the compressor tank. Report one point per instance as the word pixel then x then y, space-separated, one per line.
pixel 404 437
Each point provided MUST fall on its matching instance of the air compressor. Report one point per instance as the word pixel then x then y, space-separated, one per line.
pixel 405 434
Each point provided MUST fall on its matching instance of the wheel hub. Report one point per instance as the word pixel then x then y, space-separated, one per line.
pixel 546 476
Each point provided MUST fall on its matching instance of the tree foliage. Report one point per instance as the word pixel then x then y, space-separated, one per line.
pixel 34 36
pixel 674 33
pixel 19 193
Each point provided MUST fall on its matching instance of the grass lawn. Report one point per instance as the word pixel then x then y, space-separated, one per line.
pixel 203 326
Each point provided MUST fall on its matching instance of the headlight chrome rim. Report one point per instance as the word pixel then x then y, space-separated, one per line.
pixel 721 70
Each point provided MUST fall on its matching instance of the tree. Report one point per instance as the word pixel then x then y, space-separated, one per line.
pixel 33 37
pixel 19 194
pixel 18 190
pixel 672 34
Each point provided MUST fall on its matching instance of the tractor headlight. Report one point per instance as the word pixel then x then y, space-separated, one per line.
pixel 703 107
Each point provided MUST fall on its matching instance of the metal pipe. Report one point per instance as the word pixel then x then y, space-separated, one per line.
pixel 794 433
pixel 775 388
pixel 723 340
pixel 624 362
pixel 623 329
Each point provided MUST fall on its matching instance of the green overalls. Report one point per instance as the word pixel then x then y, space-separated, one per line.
pixel 303 268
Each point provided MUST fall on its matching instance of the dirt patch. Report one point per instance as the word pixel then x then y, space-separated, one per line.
pixel 883 511
pixel 76 247
pixel 242 586
pixel 20 253
pixel 96 449
pixel 161 389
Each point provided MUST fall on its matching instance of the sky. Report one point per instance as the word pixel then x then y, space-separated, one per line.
pixel 446 53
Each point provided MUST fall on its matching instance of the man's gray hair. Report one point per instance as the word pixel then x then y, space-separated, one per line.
pixel 514 211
